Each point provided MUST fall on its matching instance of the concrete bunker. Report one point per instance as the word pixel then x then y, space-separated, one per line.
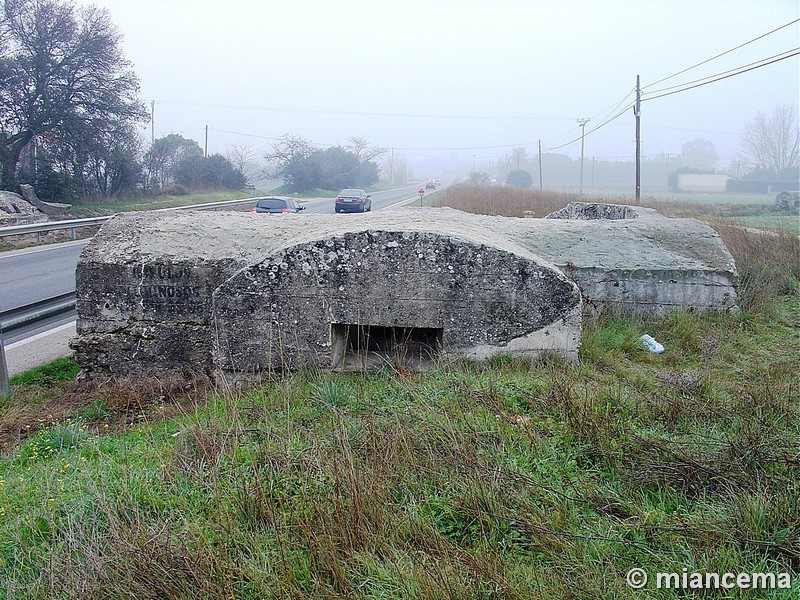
pixel 236 295
pixel 367 298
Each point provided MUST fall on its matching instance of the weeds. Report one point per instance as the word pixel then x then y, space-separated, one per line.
pixel 504 201
pixel 504 479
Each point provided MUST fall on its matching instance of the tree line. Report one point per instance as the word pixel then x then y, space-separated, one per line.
pixel 70 116
pixel 70 111
pixel 770 155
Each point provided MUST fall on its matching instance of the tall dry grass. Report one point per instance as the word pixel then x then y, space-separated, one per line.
pixel 768 264
pixel 504 201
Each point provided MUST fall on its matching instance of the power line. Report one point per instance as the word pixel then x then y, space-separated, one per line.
pixel 590 132
pixel 702 79
pixel 603 122
pixel 721 54
pixel 742 70
pixel 362 113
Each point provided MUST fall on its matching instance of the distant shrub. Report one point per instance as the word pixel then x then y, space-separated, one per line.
pixel 519 178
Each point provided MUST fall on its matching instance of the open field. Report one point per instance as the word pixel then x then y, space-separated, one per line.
pixel 750 210
pixel 506 479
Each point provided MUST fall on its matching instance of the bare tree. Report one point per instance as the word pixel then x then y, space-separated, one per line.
pixel 286 148
pixel 360 147
pixel 243 159
pixel 772 143
pixel 699 154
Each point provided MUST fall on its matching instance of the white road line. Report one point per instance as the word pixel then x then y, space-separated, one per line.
pixel 399 204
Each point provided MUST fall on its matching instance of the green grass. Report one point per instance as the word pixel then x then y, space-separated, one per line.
pixel 511 478
pixel 713 198
pixel 779 222
pixel 503 479
pixel 62 369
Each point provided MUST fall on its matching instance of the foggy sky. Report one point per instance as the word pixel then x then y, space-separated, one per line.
pixel 457 78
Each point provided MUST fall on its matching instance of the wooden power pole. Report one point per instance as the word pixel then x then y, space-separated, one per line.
pixel 637 111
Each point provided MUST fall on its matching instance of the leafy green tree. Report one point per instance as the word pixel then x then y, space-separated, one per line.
pixel 478 178
pixel 162 158
pixel 332 168
pixel 212 172
pixel 61 70
pixel 519 178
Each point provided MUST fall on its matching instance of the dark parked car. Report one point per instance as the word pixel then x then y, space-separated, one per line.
pixel 353 200
pixel 277 205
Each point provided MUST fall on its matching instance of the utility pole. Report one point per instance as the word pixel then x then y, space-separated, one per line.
pixel 205 151
pixel 152 121
pixel 637 111
pixel 391 165
pixel 540 164
pixel 582 123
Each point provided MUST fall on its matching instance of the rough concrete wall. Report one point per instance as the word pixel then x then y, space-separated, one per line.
pixel 185 291
pixel 145 316
pixel 649 264
pixel 592 210
pixel 194 290
pixel 646 264
pixel 15 210
pixel 484 300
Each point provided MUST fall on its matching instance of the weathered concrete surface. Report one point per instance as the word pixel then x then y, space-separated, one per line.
pixel 15 210
pixel 632 259
pixel 594 210
pixel 235 293
pixel 48 208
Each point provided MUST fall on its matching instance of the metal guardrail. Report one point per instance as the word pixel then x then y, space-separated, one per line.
pixel 39 228
pixel 51 226
pixel 27 316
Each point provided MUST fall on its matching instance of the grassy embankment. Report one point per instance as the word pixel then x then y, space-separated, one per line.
pixel 511 479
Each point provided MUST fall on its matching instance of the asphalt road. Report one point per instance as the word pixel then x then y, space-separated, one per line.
pixel 34 274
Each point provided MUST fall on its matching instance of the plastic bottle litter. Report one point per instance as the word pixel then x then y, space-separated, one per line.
pixel 652 344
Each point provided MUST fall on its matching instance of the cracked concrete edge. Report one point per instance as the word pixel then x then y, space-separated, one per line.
pixel 39 349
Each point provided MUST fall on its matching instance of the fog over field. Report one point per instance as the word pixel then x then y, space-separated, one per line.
pixel 462 83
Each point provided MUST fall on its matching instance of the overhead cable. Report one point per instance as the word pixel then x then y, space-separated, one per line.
pixel 721 54
pixel 728 74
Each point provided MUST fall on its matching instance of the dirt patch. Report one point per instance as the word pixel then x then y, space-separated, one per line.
pixel 105 407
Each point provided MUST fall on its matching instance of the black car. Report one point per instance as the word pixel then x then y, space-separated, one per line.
pixel 277 205
pixel 353 200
